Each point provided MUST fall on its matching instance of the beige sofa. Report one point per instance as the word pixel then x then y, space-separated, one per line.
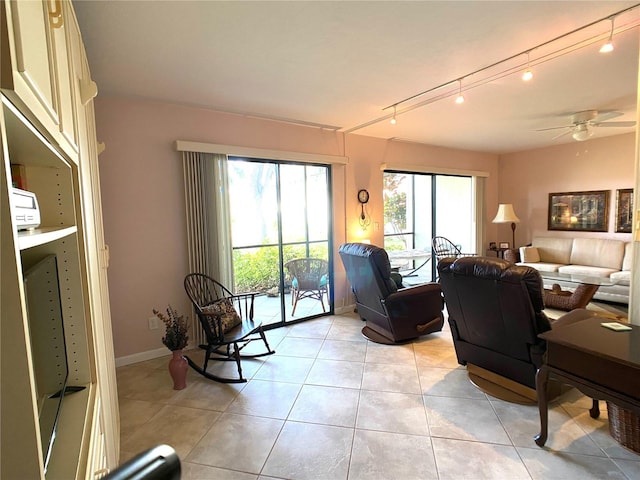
pixel 584 256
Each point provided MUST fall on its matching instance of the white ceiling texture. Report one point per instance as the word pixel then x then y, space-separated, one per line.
pixel 340 64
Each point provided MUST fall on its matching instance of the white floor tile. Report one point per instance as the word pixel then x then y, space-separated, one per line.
pixel 237 442
pixel 457 459
pixel 383 456
pixel 307 451
pixel 326 405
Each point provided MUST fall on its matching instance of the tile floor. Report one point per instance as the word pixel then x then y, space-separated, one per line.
pixel 331 405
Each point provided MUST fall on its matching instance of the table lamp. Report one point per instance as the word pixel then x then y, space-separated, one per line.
pixel 505 215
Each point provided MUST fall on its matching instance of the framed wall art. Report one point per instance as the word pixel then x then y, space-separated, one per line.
pixel 579 211
pixel 624 210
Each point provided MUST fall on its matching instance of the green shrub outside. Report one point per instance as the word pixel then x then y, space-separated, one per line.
pixel 256 269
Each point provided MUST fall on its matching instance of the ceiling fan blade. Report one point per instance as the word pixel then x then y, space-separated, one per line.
pixel 562 134
pixel 553 128
pixel 606 115
pixel 616 124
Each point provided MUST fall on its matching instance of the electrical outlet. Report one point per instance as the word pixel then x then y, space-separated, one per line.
pixel 153 323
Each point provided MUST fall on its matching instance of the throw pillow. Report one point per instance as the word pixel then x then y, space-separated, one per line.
pixel 529 255
pixel 225 310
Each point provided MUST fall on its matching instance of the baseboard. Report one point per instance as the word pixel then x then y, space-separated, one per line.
pixel 345 310
pixel 143 356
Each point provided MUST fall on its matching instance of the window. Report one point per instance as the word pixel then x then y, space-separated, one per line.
pixel 420 206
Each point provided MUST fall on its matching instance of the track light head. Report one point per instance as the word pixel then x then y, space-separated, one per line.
pixel 460 97
pixel 528 74
pixel 393 119
pixel 608 47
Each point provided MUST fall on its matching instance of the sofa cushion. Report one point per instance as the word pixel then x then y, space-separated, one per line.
pixel 553 250
pixel 621 278
pixel 529 255
pixel 542 266
pixel 628 257
pixel 586 270
pixel 597 252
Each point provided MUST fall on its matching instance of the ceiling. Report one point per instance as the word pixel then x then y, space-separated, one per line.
pixel 339 64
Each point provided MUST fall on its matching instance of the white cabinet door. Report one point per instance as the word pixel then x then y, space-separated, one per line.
pixel 41 77
pixel 63 33
pixel 31 60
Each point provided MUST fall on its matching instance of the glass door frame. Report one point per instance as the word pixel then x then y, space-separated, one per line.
pixel 307 243
pixel 433 177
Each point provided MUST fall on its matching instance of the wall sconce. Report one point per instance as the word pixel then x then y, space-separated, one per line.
pixel 363 198
pixel 505 215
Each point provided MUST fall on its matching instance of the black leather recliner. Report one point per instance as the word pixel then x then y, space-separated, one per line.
pixel 394 314
pixel 496 313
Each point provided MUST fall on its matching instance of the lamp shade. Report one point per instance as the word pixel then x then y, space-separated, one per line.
pixel 506 214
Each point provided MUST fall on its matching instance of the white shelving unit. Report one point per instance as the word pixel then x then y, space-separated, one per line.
pixel 47 127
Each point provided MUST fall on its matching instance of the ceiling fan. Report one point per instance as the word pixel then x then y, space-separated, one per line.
pixel 583 124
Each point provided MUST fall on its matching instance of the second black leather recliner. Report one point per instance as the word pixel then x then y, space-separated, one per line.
pixel 496 312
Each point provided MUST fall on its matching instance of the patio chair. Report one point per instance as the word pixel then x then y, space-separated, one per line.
pixel 309 279
pixel 445 248
pixel 227 322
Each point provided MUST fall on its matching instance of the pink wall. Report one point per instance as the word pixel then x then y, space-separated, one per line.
pixel 143 203
pixel 527 178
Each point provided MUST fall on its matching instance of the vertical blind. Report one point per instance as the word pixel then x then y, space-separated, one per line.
pixel 208 222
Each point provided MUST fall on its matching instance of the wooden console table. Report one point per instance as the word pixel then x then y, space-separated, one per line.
pixel 601 363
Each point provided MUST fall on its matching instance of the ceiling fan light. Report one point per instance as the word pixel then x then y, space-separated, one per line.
pixel 582 132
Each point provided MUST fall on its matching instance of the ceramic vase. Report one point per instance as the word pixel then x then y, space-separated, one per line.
pixel 178 367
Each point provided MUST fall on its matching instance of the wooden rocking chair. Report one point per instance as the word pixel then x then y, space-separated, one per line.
pixel 227 321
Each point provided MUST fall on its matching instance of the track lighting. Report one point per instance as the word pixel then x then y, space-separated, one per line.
pixel 528 74
pixel 488 74
pixel 608 47
pixel 460 97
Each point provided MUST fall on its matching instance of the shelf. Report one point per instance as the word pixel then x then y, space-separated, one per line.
pixel 41 236
pixel 67 451
pixel 26 141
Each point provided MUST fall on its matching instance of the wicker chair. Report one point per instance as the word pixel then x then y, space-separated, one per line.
pixel 309 279
pixel 445 248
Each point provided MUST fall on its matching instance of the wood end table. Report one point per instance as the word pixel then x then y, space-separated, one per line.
pixel 603 364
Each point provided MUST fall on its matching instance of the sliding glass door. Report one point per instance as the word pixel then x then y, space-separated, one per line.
pixel 280 211
pixel 454 210
pixel 418 207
